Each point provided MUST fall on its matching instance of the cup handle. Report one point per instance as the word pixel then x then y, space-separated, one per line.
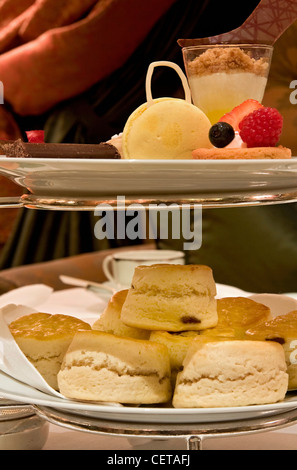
pixel 106 267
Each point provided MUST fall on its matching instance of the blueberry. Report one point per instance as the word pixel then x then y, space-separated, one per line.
pixel 221 134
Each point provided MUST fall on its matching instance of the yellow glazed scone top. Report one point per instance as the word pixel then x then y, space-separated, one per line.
pixel 279 328
pixel 44 326
pixel 241 312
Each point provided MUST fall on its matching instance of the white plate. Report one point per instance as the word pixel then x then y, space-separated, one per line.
pixel 248 181
pixel 17 391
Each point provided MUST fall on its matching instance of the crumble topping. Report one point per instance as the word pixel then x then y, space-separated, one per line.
pixel 228 60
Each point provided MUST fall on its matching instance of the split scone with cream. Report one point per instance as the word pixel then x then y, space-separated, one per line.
pixel 110 319
pixel 283 330
pixel 107 368
pixel 171 298
pixel 231 373
pixel 44 339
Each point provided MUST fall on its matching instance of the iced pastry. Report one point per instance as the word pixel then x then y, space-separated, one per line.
pixel 230 374
pixel 171 297
pixel 109 368
pixel 222 77
pixel 165 128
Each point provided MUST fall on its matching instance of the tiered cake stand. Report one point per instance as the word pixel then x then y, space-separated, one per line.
pixel 80 185
pixel 71 184
pixel 192 434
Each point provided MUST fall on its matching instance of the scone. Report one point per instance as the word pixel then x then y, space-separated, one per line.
pixel 44 339
pixel 177 345
pixel 110 319
pixel 171 298
pixel 231 374
pixel 255 153
pixel 224 333
pixel 108 368
pixel 236 315
pixel 241 312
pixel 283 330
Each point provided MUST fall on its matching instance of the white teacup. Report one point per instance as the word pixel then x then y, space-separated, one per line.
pixel 119 268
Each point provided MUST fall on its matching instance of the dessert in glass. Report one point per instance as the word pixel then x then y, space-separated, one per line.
pixel 222 76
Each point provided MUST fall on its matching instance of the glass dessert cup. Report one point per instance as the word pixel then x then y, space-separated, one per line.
pixel 222 76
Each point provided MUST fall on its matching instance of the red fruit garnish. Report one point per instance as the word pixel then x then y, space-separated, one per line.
pixel 237 114
pixel 262 128
pixel 35 137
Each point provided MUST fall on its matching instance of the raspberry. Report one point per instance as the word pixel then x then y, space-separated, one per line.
pixel 261 128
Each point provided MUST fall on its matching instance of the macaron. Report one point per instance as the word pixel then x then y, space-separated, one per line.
pixel 168 128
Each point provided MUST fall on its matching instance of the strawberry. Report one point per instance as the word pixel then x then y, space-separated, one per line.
pixel 35 137
pixel 237 114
